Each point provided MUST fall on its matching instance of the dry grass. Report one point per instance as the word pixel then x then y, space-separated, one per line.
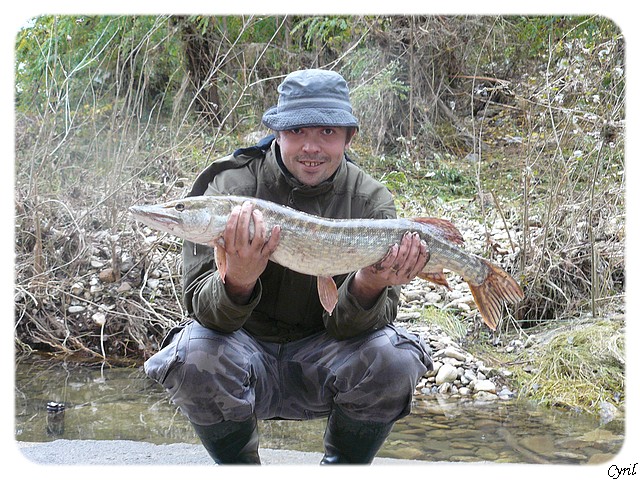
pixel 579 366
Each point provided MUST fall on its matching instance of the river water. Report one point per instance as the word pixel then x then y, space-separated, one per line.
pixel 103 403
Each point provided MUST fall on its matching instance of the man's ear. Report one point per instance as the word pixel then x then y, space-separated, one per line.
pixel 351 132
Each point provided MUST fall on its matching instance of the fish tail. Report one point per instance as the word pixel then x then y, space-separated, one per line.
pixel 498 287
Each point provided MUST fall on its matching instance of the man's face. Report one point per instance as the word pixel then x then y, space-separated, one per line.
pixel 313 154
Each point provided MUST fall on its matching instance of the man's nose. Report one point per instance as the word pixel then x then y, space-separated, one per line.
pixel 311 145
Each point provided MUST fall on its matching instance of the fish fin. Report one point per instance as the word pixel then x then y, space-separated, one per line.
pixel 328 293
pixel 447 229
pixel 220 255
pixel 435 277
pixel 489 296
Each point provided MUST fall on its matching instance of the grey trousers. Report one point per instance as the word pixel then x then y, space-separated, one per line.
pixel 215 377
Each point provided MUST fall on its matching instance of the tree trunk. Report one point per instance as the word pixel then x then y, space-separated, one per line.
pixel 201 50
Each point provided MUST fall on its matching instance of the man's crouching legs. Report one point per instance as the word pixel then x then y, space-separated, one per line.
pixel 375 388
pixel 212 378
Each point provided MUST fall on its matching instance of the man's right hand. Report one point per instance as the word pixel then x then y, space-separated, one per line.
pixel 246 255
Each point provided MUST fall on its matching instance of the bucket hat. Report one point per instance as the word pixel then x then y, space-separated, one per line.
pixel 310 98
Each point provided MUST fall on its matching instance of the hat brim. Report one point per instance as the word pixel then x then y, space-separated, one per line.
pixel 311 117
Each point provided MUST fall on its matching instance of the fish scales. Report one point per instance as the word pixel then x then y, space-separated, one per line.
pixel 325 247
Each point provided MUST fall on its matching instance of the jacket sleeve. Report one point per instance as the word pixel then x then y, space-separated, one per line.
pixel 205 297
pixel 349 319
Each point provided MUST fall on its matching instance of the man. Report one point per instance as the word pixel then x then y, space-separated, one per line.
pixel 261 345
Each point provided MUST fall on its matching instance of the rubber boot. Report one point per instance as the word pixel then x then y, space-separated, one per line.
pixel 352 441
pixel 231 442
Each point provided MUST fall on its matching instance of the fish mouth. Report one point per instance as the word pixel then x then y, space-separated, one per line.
pixel 150 215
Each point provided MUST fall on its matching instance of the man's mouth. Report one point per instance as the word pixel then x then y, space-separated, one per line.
pixel 308 163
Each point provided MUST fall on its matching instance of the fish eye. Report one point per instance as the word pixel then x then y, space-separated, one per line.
pixel 179 207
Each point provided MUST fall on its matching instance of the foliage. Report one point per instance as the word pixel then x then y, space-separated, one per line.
pixel 330 31
pixel 74 59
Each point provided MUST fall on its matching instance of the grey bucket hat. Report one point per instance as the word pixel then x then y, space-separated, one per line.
pixel 311 98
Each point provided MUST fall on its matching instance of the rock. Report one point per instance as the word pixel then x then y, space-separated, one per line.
pixel 99 317
pixel 108 275
pixel 77 288
pixel 570 456
pixel 607 412
pixel 505 394
pixel 454 295
pixel 446 373
pixel 469 376
pixel 485 397
pixel 484 386
pixel 486 453
pixel 76 309
pixel 413 296
pixel 598 435
pixel 453 353
pixel 432 297
pixel 452 361
pixel 599 458
pixel 444 388
pixel 540 444
pixel 407 316
pixel 467 299
pixel 434 371
pixel 463 307
pixel 124 287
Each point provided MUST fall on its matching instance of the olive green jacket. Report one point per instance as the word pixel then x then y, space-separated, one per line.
pixel 284 305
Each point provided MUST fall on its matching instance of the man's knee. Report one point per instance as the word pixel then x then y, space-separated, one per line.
pixel 207 374
pixel 379 380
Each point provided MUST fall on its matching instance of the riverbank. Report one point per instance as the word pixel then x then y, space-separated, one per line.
pixel 126 452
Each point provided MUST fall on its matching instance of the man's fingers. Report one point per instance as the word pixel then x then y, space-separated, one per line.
pixel 244 219
pixel 230 228
pixel 421 260
pixel 409 248
pixel 273 241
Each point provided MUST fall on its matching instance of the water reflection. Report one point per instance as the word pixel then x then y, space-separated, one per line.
pixel 103 403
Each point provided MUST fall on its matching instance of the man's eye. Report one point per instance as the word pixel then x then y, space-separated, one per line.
pixel 328 131
pixel 296 131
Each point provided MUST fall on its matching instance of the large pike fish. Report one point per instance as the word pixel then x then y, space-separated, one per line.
pixel 326 247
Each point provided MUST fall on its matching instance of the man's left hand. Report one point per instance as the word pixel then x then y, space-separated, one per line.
pixel 402 264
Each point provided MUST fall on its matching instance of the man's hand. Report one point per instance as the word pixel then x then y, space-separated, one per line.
pixel 246 255
pixel 401 265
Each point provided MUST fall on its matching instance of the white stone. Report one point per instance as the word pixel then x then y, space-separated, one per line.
pixel 432 297
pixel 447 373
pixel 99 317
pixel 77 288
pixel 485 386
pixel 434 371
pixel 453 353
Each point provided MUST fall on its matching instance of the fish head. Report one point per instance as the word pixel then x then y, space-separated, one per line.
pixel 189 218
